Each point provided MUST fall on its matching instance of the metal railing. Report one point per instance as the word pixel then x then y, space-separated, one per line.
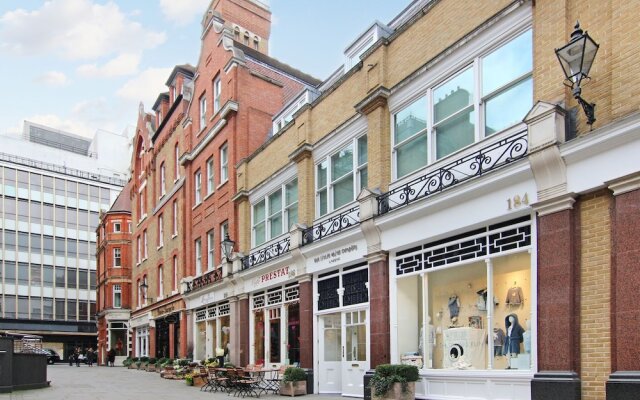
pixel 331 226
pixel 267 253
pixel 478 163
pixel 209 278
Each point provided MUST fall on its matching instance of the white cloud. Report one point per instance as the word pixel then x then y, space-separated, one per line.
pixel 52 78
pixel 183 11
pixel 146 86
pixel 124 64
pixel 75 29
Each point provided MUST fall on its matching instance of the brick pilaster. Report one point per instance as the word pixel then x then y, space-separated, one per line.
pixel 379 310
pixel 306 323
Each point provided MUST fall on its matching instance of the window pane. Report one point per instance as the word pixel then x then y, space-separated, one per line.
pixel 276 225
pixel 411 120
pixel 343 192
pixel 275 202
pixel 292 216
pixel 322 197
pixel 259 233
pixel 291 192
pixel 322 174
pixel 364 178
pixel 455 134
pixel 509 107
pixel 341 163
pixel 258 212
pixel 362 150
pixel 412 155
pixel 507 63
pixel 453 95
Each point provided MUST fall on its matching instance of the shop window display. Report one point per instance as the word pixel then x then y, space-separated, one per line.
pixel 470 316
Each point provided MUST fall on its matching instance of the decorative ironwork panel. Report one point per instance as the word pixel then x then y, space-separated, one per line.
pixel 274 297
pixel 355 287
pixel 224 309
pixel 510 239
pixel 258 300
pixel 201 315
pixel 213 312
pixel 467 246
pixel 265 254
pixel 332 226
pixel 328 293
pixel 485 160
pixel 291 294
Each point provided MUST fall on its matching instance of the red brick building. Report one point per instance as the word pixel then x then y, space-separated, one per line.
pixel 237 90
pixel 159 318
pixel 113 275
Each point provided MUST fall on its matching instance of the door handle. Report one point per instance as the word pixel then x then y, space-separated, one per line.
pixel 342 351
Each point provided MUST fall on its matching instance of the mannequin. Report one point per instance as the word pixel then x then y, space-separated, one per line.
pixel 513 337
pixel 527 337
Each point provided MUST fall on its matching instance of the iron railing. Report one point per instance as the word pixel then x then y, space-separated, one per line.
pixel 480 162
pixel 267 253
pixel 331 226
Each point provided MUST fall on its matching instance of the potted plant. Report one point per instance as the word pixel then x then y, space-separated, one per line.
pixel 127 362
pixel 294 382
pixel 151 367
pixel 188 379
pixel 393 381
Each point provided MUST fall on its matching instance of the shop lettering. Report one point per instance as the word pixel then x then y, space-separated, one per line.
pixel 284 271
pixel 163 310
pixel 335 255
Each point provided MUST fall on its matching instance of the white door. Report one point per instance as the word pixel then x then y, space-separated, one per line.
pixel 330 353
pixel 354 352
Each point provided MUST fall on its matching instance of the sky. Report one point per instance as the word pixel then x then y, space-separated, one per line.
pixel 84 65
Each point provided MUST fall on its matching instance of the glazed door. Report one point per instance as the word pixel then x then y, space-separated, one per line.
pixel 354 352
pixel 330 353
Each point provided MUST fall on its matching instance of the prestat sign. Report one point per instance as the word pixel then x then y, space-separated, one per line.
pixel 277 275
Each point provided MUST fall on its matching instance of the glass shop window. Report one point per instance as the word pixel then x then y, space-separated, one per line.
pixel 258 337
pixel 274 335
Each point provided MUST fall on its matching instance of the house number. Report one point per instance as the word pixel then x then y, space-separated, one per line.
pixel 517 201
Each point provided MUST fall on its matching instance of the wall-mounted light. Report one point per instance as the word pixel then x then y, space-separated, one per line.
pixel 576 59
pixel 227 246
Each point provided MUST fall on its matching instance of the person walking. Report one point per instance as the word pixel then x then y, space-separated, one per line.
pixel 90 356
pixel 111 356
pixel 76 356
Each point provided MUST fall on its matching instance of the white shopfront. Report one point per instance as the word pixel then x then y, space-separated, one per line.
pixel 212 327
pixel 141 326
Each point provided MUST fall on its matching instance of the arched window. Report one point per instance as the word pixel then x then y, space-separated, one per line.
pixel 139 155
pixel 246 38
pixel 256 42
pixel 236 34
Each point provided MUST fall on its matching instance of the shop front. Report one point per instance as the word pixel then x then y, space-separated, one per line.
pixel 167 332
pixel 212 330
pixel 143 327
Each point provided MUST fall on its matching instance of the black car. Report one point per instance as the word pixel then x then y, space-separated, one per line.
pixel 52 356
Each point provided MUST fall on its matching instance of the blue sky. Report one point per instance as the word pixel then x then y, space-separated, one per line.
pixel 83 65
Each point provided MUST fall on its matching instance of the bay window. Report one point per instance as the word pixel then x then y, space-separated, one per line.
pixel 340 176
pixel 117 296
pixel 272 216
pixel 491 93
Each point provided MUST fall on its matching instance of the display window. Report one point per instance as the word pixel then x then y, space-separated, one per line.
pixel 213 330
pixel 472 314
pixel 118 337
pixel 276 326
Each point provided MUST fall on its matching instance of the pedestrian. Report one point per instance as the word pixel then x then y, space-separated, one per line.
pixel 70 356
pixel 111 356
pixel 76 355
pixel 90 356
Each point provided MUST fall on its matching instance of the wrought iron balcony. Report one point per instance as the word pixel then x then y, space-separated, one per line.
pixel 331 226
pixel 478 163
pixel 267 253
pixel 209 278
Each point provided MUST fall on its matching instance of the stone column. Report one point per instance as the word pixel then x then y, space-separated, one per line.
pixel 624 381
pixel 306 321
pixel 234 336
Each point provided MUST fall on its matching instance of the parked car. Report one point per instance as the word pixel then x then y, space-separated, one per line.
pixel 52 356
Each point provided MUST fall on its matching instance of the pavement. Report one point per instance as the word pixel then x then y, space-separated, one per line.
pixel 108 383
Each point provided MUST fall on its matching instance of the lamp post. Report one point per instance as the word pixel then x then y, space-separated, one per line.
pixel 576 59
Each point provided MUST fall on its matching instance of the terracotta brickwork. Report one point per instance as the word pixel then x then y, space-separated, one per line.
pixel 595 293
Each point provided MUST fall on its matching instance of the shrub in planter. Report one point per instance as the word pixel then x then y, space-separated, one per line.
pixel 188 379
pixel 392 381
pixel 294 382
pixel 138 364
pixel 126 362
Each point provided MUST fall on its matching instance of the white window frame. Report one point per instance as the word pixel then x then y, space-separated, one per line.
pixel 446 73
pixel 210 176
pixel 117 257
pixel 198 255
pixel 139 250
pixel 117 227
pixel 145 291
pixel 210 250
pixel 117 294
pixel 175 218
pixel 284 212
pixel 224 168
pixel 146 245
pixel 197 186
pixel 217 90
pixel 160 282
pixel 203 111
pixel 163 183
pixel 177 161
pixel 356 171
pixel 160 230
pixel 224 231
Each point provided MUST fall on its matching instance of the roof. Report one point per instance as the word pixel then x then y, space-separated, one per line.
pixel 186 69
pixel 123 201
pixel 272 62
pixel 162 96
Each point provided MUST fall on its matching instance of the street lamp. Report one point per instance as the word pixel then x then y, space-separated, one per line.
pixel 576 58
pixel 144 288
pixel 227 246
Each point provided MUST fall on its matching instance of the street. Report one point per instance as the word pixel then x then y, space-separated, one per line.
pixel 102 383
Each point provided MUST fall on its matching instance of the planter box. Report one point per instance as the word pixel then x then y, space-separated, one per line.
pixel 293 388
pixel 131 366
pixel 198 381
pixel 395 393
pixel 151 368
